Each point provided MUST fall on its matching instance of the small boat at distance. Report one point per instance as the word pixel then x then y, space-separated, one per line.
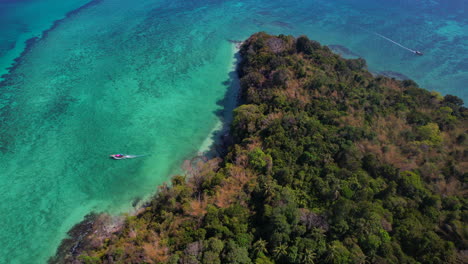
pixel 417 52
pixel 124 156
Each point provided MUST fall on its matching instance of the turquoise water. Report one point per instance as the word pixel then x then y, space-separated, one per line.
pixel 22 20
pixel 148 77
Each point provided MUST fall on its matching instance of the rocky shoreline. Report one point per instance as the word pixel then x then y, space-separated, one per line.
pixel 92 231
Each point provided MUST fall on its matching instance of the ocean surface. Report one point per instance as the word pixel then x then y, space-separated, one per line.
pixel 152 77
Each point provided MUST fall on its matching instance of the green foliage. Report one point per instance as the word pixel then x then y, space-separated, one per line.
pixel 245 120
pixel 430 134
pixel 304 44
pixel 411 183
pixel 263 260
pixel 259 160
pixel 236 254
pixel 212 252
pixel 89 260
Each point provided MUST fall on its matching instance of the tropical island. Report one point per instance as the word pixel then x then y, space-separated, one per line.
pixel 326 164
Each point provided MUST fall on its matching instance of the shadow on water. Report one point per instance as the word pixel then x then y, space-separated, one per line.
pixel 343 51
pixel 221 138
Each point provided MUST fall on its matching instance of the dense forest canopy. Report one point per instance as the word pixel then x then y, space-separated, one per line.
pixel 328 164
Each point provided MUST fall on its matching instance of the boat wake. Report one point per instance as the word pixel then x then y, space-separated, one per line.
pixel 394 42
pixel 125 156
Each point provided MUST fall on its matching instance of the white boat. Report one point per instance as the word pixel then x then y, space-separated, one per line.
pixel 122 156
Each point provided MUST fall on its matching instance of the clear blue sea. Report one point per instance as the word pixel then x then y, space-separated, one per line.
pixel 149 77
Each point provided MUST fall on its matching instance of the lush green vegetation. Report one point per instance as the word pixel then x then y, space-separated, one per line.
pixel 329 165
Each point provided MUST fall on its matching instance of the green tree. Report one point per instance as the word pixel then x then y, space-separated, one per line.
pixel 260 247
pixel 236 254
pixel 430 134
pixel 259 160
pixel 309 257
pixel 304 44
pixel 337 253
pixel 213 248
pixel 280 251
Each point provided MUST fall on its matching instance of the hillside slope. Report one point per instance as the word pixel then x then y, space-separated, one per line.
pixel 329 165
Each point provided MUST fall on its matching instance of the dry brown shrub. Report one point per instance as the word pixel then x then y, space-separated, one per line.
pixel 334 94
pixel 170 227
pixel 393 156
pixel 427 111
pixel 462 166
pixel 132 233
pixel 201 171
pixel 232 187
pixel 225 196
pixel 254 143
pixel 354 118
pixel 270 118
pixel 450 138
pixel 154 253
pixel 240 155
pixel 295 91
pixel 366 146
pixel 393 85
pixel 388 129
pixel 241 159
pixel 429 172
pixel 452 187
pixel 201 166
pixel 131 251
pixel 197 208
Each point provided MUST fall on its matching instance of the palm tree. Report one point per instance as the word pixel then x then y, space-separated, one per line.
pixel 259 247
pixel 363 259
pixel 332 254
pixel 309 256
pixel 280 251
pixel 269 190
